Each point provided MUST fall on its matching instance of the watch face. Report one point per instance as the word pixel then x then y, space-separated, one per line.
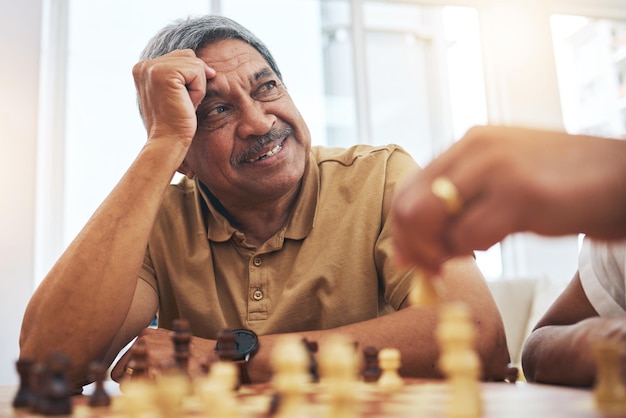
pixel 245 342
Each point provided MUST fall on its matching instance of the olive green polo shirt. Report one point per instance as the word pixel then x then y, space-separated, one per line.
pixel 331 265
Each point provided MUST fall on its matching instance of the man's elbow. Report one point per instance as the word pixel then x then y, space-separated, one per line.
pixel 494 353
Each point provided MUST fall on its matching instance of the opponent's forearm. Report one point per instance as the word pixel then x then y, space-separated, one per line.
pixel 91 286
pixel 559 354
pixel 617 197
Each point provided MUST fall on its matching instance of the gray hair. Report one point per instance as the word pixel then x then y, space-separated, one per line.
pixel 195 33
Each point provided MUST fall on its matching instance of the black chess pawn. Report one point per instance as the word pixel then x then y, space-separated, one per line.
pixel 99 397
pixel 311 348
pixel 226 346
pixel 25 396
pixel 56 390
pixel 371 369
pixel 511 373
pixel 137 366
pixel 226 350
pixel 38 380
pixel 181 339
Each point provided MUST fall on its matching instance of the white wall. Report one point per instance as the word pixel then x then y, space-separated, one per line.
pixel 19 88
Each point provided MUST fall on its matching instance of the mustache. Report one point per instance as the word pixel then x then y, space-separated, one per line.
pixel 257 142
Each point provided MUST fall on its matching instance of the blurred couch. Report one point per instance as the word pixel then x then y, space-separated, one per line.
pixel 522 302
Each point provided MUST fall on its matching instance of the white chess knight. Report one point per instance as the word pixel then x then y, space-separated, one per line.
pixel 458 360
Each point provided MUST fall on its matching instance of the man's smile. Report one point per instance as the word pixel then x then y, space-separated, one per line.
pixel 268 154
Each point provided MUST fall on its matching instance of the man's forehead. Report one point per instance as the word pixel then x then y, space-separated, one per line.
pixel 230 55
pixel 233 59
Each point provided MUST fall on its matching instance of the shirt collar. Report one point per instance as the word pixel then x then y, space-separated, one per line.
pixel 300 223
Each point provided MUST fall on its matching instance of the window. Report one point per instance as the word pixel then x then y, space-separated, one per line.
pixel 591 66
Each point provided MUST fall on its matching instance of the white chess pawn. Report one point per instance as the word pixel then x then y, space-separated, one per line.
pixel 338 362
pixel 217 391
pixel 458 361
pixel 290 364
pixel 138 399
pixel 170 391
pixel 389 360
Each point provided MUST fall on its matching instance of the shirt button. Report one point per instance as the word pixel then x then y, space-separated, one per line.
pixel 257 295
pixel 257 261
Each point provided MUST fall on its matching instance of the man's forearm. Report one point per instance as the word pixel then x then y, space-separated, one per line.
pixel 82 303
pixel 411 331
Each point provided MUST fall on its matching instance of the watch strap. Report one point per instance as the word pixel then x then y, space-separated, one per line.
pixel 244 377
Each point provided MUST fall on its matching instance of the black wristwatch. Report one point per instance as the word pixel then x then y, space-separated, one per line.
pixel 246 344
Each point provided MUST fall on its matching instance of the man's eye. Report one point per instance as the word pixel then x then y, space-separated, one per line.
pixel 268 86
pixel 217 110
pixel 268 90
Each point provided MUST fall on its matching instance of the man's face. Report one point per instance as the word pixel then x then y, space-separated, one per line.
pixel 251 143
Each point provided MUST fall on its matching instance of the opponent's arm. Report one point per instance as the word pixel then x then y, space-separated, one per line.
pixel 558 350
pixel 511 180
pixel 86 298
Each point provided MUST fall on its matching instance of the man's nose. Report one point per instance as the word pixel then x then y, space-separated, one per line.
pixel 255 120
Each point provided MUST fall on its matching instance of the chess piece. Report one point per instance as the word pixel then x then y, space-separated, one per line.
pixel 137 366
pixel 217 390
pixel 371 370
pixel 609 388
pixel 312 348
pixel 339 375
pixel 38 379
pixel 99 397
pixel 181 339
pixel 56 394
pixel 511 373
pixel 427 291
pixel 138 363
pixel 139 398
pixel 458 361
pixel 389 360
pixel 226 347
pixel 25 397
pixel 290 365
pixel 170 389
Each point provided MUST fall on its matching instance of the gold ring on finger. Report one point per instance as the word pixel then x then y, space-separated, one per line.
pixel 445 190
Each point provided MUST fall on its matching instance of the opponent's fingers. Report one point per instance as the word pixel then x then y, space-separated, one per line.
pixel 422 254
pixel 482 224
pixel 417 231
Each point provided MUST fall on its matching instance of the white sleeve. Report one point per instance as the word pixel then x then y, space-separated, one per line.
pixel 602 267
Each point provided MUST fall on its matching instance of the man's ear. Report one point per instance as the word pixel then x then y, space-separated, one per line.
pixel 186 171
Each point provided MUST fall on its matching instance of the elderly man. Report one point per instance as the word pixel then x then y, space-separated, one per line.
pixel 263 232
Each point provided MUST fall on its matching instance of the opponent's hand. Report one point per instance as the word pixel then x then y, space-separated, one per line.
pixel 511 180
pixel 170 89
pixel 158 342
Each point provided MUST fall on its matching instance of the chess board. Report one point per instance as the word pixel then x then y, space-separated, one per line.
pixel 418 398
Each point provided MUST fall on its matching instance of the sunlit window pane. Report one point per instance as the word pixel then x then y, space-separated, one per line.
pixel 591 65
